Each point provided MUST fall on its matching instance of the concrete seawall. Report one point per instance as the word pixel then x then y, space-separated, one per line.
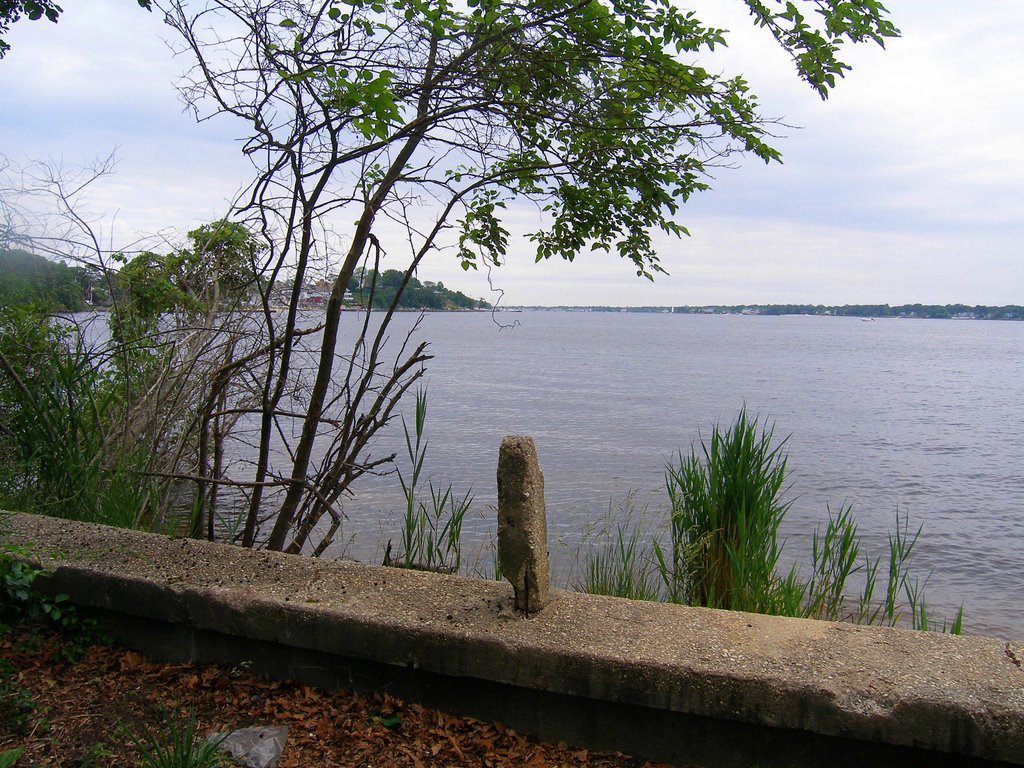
pixel 683 685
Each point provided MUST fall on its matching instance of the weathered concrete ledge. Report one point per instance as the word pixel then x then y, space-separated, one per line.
pixel 682 685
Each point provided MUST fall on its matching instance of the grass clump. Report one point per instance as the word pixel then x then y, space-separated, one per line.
pixel 723 549
pixel 432 529
pixel 63 447
pixel 725 516
pixel 177 743
pixel 616 558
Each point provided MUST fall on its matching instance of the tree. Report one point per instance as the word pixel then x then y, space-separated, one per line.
pixel 218 270
pixel 127 427
pixel 414 295
pixel 13 10
pixel 425 116
pixel 33 279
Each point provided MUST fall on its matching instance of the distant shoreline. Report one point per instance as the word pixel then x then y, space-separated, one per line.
pixel 863 311
pixel 880 311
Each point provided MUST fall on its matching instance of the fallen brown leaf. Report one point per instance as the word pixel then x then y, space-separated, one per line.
pixel 94 702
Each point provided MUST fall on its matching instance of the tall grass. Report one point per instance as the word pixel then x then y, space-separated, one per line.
pixel 616 558
pixel 723 548
pixel 431 528
pixel 724 521
pixel 59 408
pixel 835 553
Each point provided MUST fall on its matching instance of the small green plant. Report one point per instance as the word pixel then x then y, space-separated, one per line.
pixel 431 532
pixel 390 720
pixel 176 743
pixel 618 562
pixel 10 756
pixel 919 617
pixel 16 704
pixel 95 755
pixel 20 601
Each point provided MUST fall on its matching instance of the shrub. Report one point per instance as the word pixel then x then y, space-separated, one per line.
pixel 60 408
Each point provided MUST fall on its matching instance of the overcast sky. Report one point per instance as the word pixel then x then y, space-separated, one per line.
pixel 907 185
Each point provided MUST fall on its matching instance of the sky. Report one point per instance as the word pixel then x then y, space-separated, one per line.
pixel 906 185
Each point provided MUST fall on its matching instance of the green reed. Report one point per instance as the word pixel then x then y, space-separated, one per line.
pixel 431 529
pixel 723 548
pixel 617 559
pixel 59 413
pixel 725 512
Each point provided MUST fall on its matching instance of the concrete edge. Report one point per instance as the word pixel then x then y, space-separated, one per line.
pixel 943 697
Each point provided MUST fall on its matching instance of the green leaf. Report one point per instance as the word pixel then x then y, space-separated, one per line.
pixel 10 756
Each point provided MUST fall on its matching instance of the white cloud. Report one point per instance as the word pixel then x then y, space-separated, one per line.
pixel 907 185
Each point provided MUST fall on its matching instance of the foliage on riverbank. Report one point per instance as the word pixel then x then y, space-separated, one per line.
pixel 380 290
pixel 902 311
pixel 723 548
pixel 64 449
pixel 31 279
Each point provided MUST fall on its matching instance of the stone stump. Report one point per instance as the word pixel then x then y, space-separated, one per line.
pixel 522 523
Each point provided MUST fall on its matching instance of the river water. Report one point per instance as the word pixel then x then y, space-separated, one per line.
pixel 916 416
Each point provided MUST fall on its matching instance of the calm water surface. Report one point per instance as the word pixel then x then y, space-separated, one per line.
pixel 924 417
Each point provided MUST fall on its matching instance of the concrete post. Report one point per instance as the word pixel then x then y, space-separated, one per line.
pixel 522 523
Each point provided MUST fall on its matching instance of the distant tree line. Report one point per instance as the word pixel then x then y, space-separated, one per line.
pixel 379 289
pixel 927 311
pixel 31 279
pixel 936 311
pixel 219 260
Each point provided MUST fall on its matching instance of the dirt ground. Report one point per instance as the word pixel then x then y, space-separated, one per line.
pixel 84 713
